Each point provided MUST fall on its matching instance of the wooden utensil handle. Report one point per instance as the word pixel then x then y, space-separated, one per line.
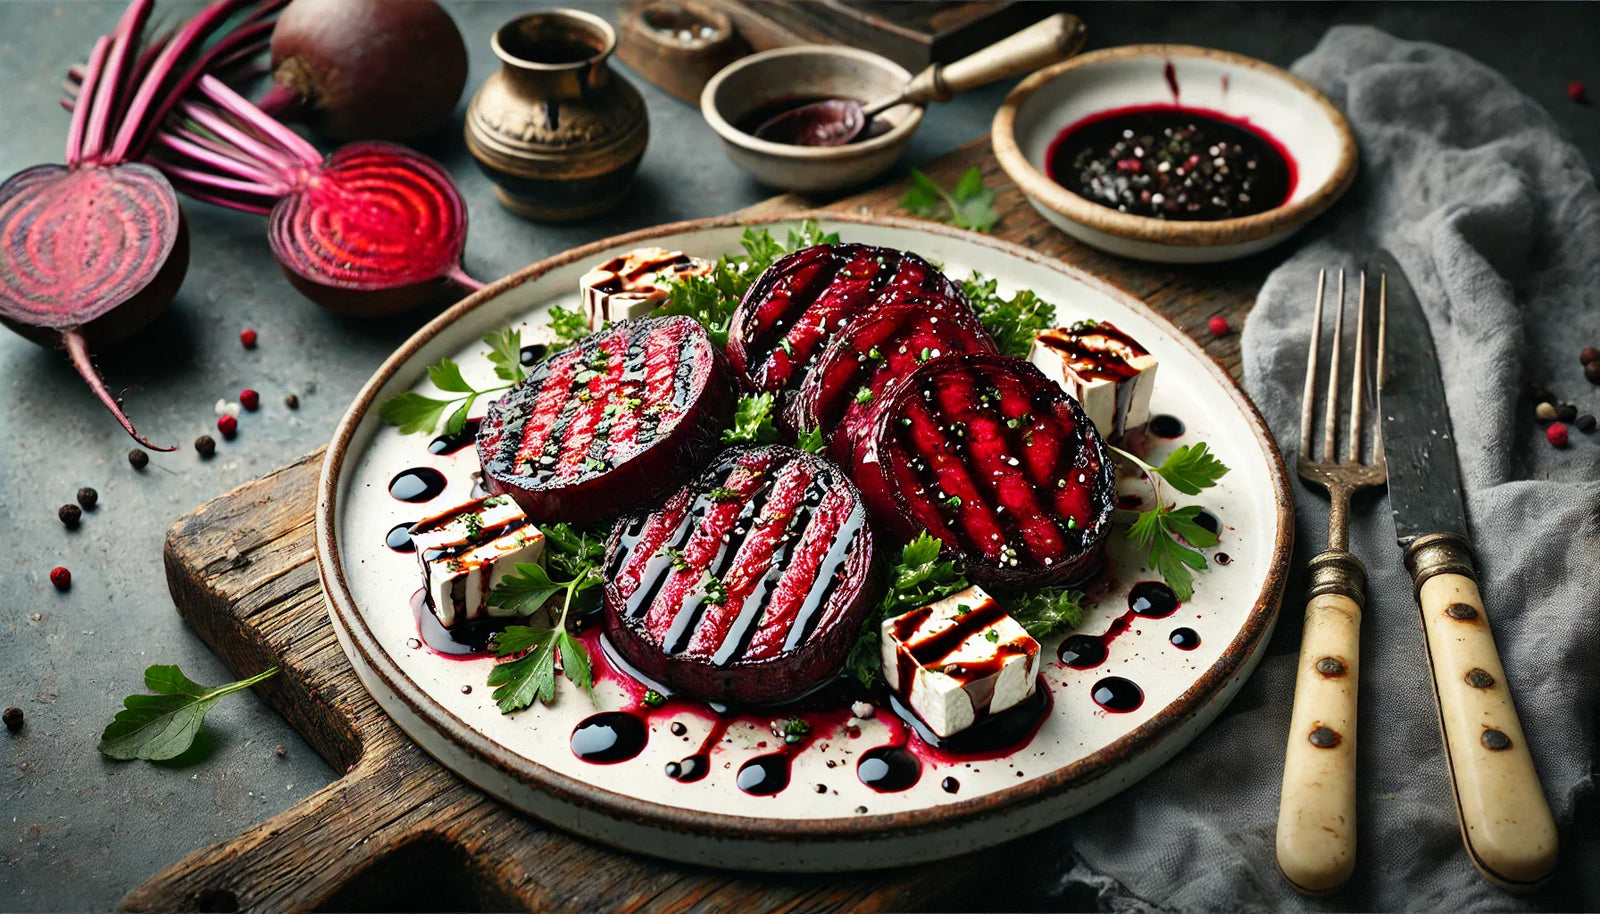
pixel 1317 809
pixel 1051 39
pixel 1505 819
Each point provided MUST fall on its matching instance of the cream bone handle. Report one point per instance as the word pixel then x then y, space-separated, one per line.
pixel 1050 39
pixel 1317 809
pixel 1505 819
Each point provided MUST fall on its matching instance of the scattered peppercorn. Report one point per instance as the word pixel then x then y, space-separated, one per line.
pixel 138 459
pixel 228 426
pixel 62 578
pixel 1586 424
pixel 1566 412
pixel 249 399
pixel 88 498
pixel 1545 412
pixel 1218 325
pixel 1576 91
pixel 247 338
pixel 70 515
pixel 205 446
pixel 13 718
pixel 1556 434
pixel 1592 371
pixel 280 751
pixel 1589 354
pixel 291 401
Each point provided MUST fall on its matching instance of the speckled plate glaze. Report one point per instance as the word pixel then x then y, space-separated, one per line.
pixel 827 819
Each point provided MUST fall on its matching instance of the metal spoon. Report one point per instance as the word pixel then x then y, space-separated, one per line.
pixel 837 121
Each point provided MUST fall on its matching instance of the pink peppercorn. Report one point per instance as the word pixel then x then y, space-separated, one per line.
pixel 1576 91
pixel 1556 434
pixel 247 338
pixel 249 399
pixel 62 578
pixel 228 426
pixel 1218 325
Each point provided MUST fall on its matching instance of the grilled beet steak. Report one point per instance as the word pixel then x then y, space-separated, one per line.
pixel 998 462
pixel 791 310
pixel 842 391
pixel 612 423
pixel 751 584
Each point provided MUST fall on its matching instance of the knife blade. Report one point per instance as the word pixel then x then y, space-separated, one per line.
pixel 1424 482
pixel 1505 819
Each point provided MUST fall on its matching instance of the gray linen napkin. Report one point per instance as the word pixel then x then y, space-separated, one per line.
pixel 1497 222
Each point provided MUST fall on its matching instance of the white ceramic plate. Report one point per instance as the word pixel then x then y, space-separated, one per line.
pixel 1287 108
pixel 827 819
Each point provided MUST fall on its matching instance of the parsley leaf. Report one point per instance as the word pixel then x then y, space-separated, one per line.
pixel 1013 322
pixel 917 579
pixel 969 205
pixel 413 412
pixel 527 671
pixel 810 440
pixel 1170 534
pixel 1044 613
pixel 163 726
pixel 505 353
pixel 752 421
pixel 711 299
pixel 569 326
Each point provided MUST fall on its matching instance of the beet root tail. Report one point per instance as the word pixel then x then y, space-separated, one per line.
pixel 78 349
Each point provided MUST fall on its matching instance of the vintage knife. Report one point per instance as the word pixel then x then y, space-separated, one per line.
pixel 1505 820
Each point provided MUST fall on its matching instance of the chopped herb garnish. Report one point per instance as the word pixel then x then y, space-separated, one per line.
pixel 968 205
pixel 1013 322
pixel 752 421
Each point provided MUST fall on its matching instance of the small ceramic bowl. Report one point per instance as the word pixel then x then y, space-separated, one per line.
pixel 809 72
pixel 1314 132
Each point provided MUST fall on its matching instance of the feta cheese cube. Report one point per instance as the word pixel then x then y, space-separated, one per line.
pixel 630 286
pixel 957 660
pixel 1102 368
pixel 466 550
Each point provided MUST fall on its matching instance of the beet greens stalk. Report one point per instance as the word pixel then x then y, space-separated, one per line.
pixel 371 230
pixel 94 250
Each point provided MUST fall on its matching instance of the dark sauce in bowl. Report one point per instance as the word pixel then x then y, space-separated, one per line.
pixel 1171 162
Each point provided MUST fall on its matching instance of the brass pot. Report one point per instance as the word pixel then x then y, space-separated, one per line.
pixel 556 128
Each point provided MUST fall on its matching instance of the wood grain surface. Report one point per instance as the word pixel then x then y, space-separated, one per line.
pixel 397 830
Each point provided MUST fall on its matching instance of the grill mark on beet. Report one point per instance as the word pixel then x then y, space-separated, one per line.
pixel 931 448
pixel 800 595
pixel 703 543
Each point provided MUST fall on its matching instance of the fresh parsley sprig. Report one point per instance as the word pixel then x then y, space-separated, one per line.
pixel 712 298
pixel 164 725
pixel 1013 322
pixel 530 673
pixel 1170 534
pixel 968 205
pixel 568 327
pixel 923 576
pixel 752 424
pixel 417 413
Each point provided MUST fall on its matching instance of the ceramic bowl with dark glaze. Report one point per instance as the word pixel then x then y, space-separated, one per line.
pixel 1288 109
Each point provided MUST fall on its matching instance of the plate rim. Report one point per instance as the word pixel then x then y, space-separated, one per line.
pixel 569 790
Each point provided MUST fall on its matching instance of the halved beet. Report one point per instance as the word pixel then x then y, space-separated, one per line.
pixel 988 455
pixel 751 584
pixel 843 390
pixel 614 422
pixel 791 310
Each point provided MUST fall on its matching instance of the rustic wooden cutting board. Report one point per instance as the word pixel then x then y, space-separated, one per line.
pixel 397 830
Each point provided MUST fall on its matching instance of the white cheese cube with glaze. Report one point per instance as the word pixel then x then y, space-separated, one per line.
pixel 633 284
pixel 1102 368
pixel 958 660
pixel 466 550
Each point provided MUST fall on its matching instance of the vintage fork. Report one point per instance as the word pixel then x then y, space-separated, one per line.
pixel 1317 810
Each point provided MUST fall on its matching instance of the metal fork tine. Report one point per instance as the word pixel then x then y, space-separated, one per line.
pixel 1308 403
pixel 1357 371
pixel 1330 422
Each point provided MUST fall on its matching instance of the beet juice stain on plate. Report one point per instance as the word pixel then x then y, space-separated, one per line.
pixel 1171 162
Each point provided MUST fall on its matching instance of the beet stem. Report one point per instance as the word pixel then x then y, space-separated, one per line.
pixel 79 351
pixel 197 193
pixel 222 161
pixel 240 107
pixel 228 185
pixel 282 103
pixel 117 64
pixel 80 114
pixel 460 277
pixel 267 156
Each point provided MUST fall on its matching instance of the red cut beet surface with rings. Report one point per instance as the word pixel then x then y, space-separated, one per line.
pixel 994 459
pixel 610 424
pixel 379 229
pixel 791 310
pixel 750 584
pixel 843 390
